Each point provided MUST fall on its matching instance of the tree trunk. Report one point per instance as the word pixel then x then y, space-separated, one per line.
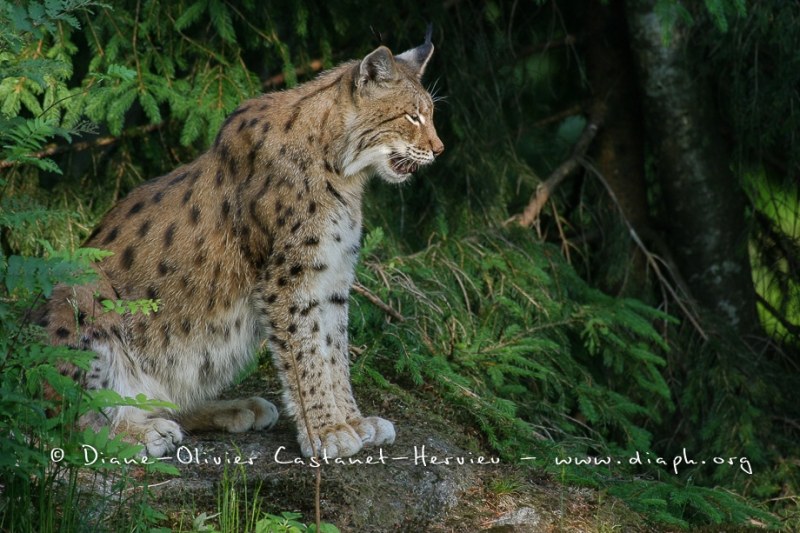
pixel 619 147
pixel 704 210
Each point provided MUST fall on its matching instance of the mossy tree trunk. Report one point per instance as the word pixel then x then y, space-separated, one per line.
pixel 704 205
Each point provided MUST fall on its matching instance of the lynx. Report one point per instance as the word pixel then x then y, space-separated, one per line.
pixel 256 240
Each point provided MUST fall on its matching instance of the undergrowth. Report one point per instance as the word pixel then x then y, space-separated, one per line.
pixel 240 509
pixel 54 477
pixel 501 327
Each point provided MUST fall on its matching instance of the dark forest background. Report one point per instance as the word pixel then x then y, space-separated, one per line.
pixel 606 258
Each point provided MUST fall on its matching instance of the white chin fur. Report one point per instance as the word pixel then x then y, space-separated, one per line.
pixel 377 161
pixel 387 174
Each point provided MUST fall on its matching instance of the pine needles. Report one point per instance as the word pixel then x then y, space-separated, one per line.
pixel 503 326
pixel 504 331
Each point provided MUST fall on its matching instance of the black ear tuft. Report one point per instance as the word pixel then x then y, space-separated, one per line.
pixel 418 57
pixel 377 67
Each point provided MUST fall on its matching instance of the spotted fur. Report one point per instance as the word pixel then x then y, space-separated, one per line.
pixel 255 240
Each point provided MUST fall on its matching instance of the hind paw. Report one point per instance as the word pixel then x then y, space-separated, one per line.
pixel 243 415
pixel 266 414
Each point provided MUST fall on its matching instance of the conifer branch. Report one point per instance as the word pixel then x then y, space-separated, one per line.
pixel 545 189
pixel 686 304
pixel 54 149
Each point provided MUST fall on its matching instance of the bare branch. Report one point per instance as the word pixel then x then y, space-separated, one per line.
pixel 794 329
pixel 53 149
pixel 567 40
pixel 546 188
pixel 386 308
pixel 280 79
pixel 576 109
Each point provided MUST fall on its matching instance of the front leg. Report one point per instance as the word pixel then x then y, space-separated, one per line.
pixel 306 365
pixel 373 430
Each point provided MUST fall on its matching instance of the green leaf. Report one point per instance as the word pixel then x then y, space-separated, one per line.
pixel 150 107
pixel 191 14
pixel 221 20
pixel 372 241
pixel 120 72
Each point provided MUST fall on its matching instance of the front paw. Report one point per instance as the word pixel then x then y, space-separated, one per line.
pixel 160 436
pixel 338 440
pixel 373 430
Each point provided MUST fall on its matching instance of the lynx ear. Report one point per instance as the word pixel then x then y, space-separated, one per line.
pixel 418 57
pixel 377 67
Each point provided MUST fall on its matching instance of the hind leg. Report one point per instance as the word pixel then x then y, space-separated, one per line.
pixel 161 433
pixel 116 369
pixel 156 431
pixel 233 416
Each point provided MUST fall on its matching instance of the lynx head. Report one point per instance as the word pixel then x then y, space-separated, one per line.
pixel 393 128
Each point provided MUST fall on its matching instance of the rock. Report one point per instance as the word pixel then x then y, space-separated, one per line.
pixel 432 479
pixel 401 487
pixel 523 519
pixel 387 489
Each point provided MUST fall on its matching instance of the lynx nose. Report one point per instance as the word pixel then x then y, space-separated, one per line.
pixel 436 146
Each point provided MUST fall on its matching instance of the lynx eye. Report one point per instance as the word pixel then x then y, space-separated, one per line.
pixel 414 119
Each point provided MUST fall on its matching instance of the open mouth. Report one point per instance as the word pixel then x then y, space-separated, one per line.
pixel 402 164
